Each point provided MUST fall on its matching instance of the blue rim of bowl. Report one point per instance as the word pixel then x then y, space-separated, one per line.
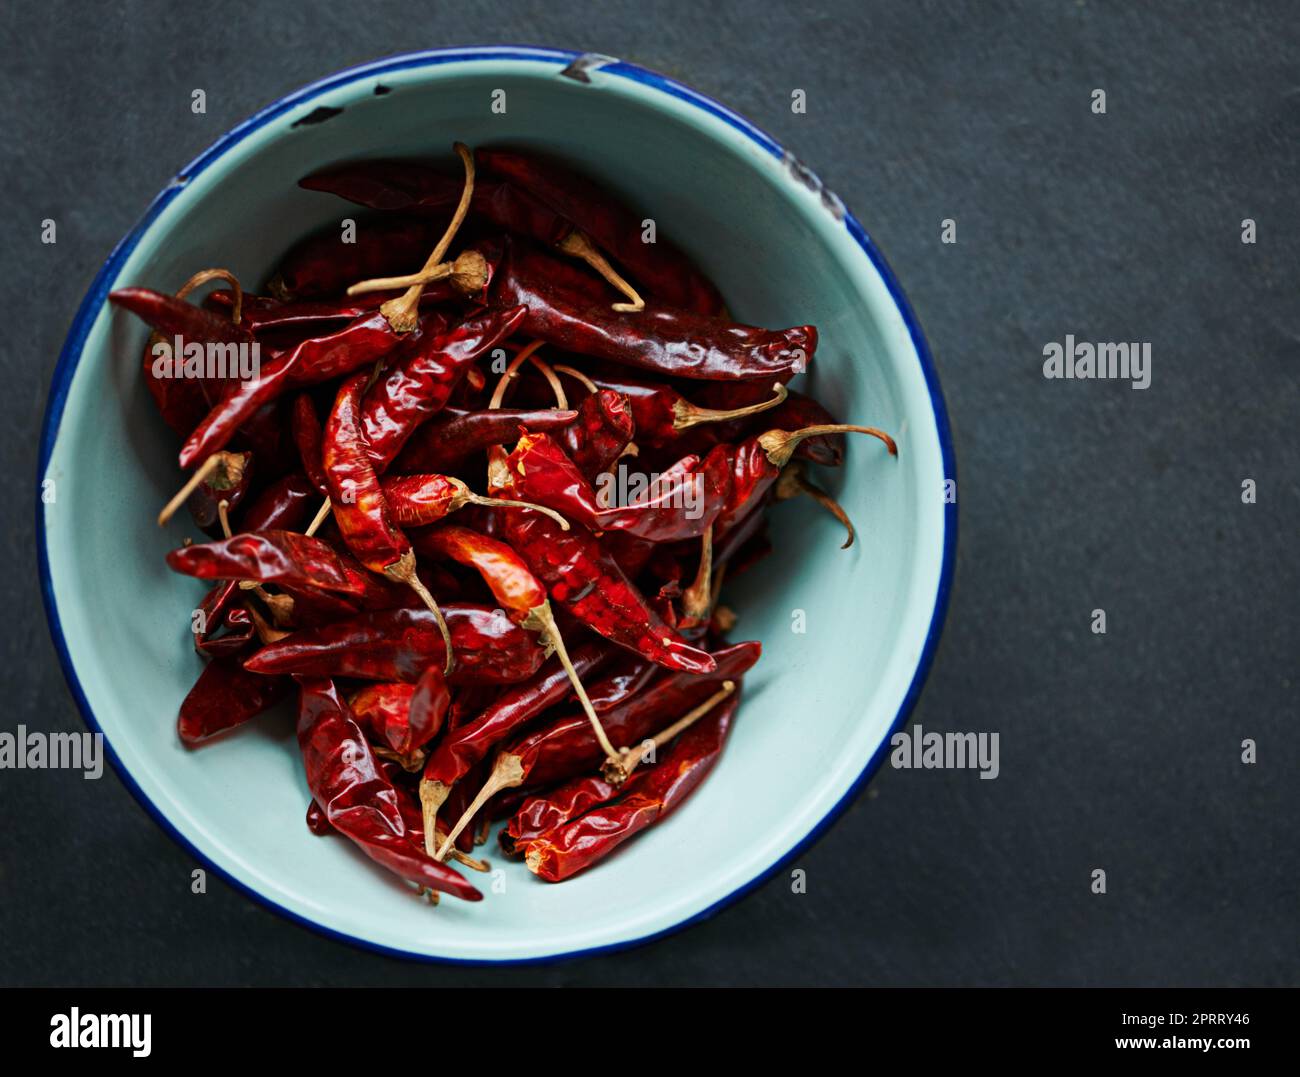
pixel 95 298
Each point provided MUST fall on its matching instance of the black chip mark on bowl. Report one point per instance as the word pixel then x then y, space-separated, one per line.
pixel 381 89
pixel 317 115
pixel 588 61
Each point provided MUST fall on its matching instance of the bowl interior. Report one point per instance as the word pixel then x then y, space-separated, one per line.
pixel 817 708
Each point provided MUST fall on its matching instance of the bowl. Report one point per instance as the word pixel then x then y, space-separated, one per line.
pixel 848 636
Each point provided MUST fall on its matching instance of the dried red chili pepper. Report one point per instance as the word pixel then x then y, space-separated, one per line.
pixel 561 749
pixel 224 696
pixel 563 852
pixel 220 608
pixel 402 716
pixel 565 803
pixel 796 412
pixel 601 435
pixel 446 441
pixel 464 747
pixel 356 796
pixel 323 265
pixel 417 500
pixel 523 597
pixel 587 581
pixel 419 379
pixel 662 415
pixel 269 557
pixel 664 340
pixel 400 644
pixel 311 362
pixel 309 438
pixel 282 506
pixel 681 504
pixel 265 315
pixel 665 272
pixel 360 509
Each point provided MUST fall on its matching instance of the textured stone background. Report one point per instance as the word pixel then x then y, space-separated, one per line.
pixel 1118 751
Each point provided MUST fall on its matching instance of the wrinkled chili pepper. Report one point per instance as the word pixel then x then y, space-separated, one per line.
pixel 463 748
pixel 420 377
pixel 309 438
pixel 221 608
pixel 416 500
pixel 796 412
pixel 400 644
pixel 360 510
pixel 561 749
pixel 323 265
pixel 356 796
pixel 269 557
pixel 266 315
pixel 182 401
pixel 563 852
pixel 520 593
pixel 311 362
pixel 664 340
pixel 587 581
pixel 224 696
pixel 666 273
pixel 444 443
pixel 404 716
pixel 601 434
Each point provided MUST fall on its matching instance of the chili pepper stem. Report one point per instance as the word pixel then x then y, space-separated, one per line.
pixel 468 272
pixel 192 483
pixel 322 515
pixel 507 773
pixel 432 797
pixel 541 619
pixel 510 372
pixel 697 599
pixel 203 276
pixel 579 376
pixel 793 482
pixel 780 444
pixel 281 606
pixel 617 772
pixel 471 862
pixel 579 245
pixel 686 414
pixel 403 571
pixel 465 496
pixel 403 312
pixel 561 401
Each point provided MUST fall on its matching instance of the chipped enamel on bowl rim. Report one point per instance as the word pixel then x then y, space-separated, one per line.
pixel 704 894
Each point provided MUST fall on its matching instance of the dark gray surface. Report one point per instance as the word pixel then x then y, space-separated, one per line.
pixel 1119 751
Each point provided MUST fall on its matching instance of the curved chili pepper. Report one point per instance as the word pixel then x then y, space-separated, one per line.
pixel 666 273
pixel 416 500
pixel 264 314
pixel 420 378
pixel 445 442
pixel 361 511
pixel 323 265
pixel 285 505
pixel 215 611
pixel 667 341
pixel 463 748
pixel 560 750
pixel 309 437
pixel 602 433
pixel 524 599
pixel 315 360
pixel 269 557
pixel 224 696
pixel 404 716
pixel 400 644
pixel 563 852
pixel 356 796
pixel 680 505
pixel 587 581
pixel 796 412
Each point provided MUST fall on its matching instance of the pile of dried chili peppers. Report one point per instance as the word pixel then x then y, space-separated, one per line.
pixel 476 511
